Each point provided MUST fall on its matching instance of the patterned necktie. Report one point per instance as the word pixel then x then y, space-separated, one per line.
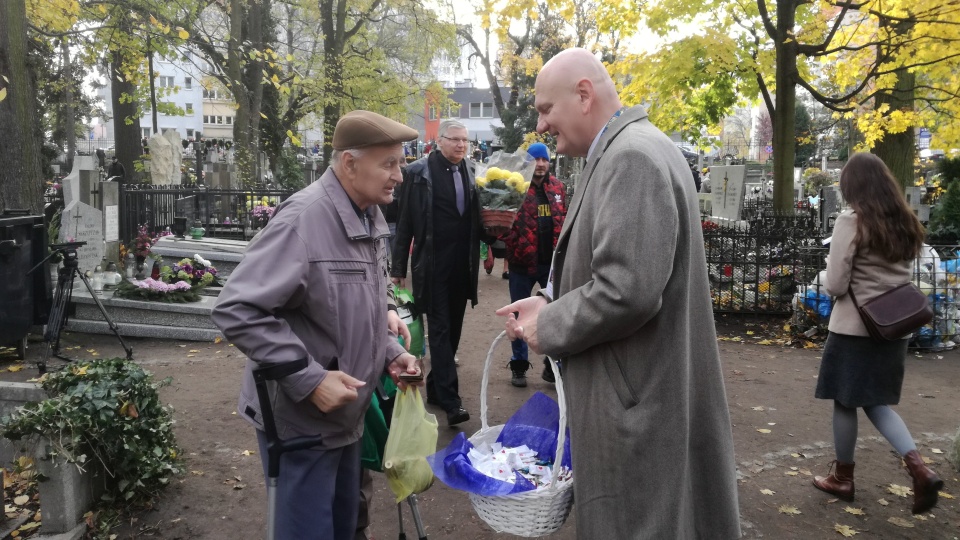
pixel 458 185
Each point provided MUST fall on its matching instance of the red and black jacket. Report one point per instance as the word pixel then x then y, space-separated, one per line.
pixel 522 239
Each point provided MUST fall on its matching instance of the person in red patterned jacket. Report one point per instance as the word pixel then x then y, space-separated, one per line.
pixel 530 244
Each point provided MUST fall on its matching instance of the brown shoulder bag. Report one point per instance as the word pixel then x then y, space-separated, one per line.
pixel 895 313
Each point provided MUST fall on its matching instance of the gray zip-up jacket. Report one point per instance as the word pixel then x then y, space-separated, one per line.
pixel 312 284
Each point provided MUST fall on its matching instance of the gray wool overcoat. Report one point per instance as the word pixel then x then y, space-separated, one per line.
pixel 632 321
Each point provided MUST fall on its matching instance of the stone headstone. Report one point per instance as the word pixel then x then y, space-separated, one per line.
pixel 831 204
pixel 161 160
pixel 71 184
pixel 726 184
pixel 186 207
pixel 176 155
pixel 706 203
pixel 913 195
pixel 81 222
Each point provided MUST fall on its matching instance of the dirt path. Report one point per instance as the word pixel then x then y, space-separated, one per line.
pixel 221 496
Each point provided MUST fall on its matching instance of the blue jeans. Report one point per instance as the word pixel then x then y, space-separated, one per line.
pixel 521 285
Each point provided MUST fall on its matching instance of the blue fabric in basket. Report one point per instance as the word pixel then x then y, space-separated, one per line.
pixel 534 425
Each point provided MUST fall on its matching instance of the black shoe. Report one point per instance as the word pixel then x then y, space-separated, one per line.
pixel 458 416
pixel 506 275
pixel 519 378
pixel 548 374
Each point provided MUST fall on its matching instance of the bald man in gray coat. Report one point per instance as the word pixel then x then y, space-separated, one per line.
pixel 629 313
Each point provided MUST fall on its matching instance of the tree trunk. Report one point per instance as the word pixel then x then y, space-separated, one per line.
pixel 333 43
pixel 69 113
pixel 898 150
pixel 20 176
pixel 783 117
pixel 246 84
pixel 126 120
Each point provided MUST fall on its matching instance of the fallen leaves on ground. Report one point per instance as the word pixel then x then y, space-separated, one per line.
pixel 854 511
pixel 936 450
pixel 21 500
pixel 763 430
pixel 900 491
pixel 883 502
pixel 946 495
pixel 758 408
pixel 789 510
pixel 900 522
pixel 768 492
pixel 248 452
pixel 844 530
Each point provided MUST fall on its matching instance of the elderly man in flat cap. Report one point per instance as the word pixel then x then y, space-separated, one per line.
pixel 312 290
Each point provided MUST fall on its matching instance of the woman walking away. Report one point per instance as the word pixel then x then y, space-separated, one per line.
pixel 874 244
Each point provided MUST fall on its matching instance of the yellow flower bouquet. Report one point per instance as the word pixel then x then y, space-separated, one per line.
pixel 503 183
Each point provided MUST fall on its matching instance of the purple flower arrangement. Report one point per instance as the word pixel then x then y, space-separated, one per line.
pixel 263 212
pixel 159 286
pixel 195 271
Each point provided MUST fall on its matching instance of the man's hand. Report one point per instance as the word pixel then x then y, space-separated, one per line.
pixel 398 281
pixel 405 363
pixel 522 320
pixel 397 327
pixel 334 391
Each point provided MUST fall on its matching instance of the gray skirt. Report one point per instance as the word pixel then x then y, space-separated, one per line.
pixel 860 371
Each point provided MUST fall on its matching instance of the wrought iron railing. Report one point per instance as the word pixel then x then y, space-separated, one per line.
pixel 936 272
pixel 754 265
pixel 224 213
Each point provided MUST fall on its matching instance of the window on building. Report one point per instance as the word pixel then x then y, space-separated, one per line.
pixel 229 120
pixel 433 112
pixel 453 111
pixel 165 81
pixel 189 133
pixel 145 132
pixel 206 119
pixel 189 108
pixel 481 110
pixel 188 83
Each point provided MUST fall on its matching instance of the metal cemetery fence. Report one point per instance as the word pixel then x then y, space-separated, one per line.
pixel 756 265
pixel 936 273
pixel 224 213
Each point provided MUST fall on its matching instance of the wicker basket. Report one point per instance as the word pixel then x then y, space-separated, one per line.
pixel 531 513
pixel 497 218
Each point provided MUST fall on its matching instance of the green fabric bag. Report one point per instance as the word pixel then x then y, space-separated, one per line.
pixel 412 317
pixel 375 430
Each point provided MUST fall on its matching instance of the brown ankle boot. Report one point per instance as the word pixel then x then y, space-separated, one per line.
pixel 839 483
pixel 926 483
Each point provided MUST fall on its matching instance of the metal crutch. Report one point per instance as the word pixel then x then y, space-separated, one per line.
pixel 415 510
pixel 275 446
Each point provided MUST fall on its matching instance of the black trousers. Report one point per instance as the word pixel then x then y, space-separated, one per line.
pixel 449 294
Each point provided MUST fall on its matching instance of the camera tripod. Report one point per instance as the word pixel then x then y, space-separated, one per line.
pixel 61 300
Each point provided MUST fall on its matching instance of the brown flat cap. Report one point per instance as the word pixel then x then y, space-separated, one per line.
pixel 357 129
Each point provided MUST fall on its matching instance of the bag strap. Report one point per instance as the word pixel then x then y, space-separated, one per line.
pixel 853 296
